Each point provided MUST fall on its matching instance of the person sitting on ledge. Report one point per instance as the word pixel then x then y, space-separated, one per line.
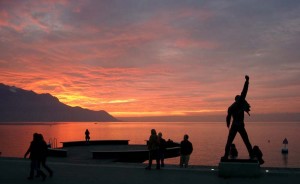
pixel 233 154
pixel 257 154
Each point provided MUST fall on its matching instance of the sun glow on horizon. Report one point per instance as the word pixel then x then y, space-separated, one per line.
pixel 164 113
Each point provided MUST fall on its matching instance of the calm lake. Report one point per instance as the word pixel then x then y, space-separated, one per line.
pixel 207 138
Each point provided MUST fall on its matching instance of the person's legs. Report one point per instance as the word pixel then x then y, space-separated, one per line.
pixel 150 159
pixel 232 133
pixel 162 158
pixel 32 167
pixel 245 138
pixel 157 158
pixel 41 173
pixel 182 160
pixel 186 162
pixel 46 167
pixel 157 163
pixel 35 166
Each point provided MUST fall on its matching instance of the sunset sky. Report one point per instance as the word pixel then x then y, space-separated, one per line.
pixel 154 57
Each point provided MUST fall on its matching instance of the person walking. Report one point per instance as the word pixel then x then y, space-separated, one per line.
pixel 186 149
pixel 35 150
pixel 153 147
pixel 236 111
pixel 44 154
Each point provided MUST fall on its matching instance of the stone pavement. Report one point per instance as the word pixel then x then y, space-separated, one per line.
pixel 15 171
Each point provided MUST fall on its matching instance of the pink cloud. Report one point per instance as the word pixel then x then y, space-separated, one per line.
pixel 158 63
pixel 190 43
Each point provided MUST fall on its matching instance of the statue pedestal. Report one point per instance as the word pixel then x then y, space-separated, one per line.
pixel 239 168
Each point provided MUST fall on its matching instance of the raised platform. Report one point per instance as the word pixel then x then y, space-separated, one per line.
pixel 113 150
pixel 63 152
pixel 239 168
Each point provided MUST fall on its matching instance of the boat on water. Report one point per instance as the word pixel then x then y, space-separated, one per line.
pixel 114 150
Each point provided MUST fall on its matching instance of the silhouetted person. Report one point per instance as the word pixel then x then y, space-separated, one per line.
pixel 186 149
pixel 153 149
pixel 44 154
pixel 87 136
pixel 236 111
pixel 35 149
pixel 162 149
pixel 258 154
pixel 233 154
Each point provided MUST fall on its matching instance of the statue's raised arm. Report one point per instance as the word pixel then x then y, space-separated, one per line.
pixel 245 88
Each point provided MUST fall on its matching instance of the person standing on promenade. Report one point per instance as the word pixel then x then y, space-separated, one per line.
pixel 44 154
pixel 35 150
pixel 186 149
pixel 162 149
pixel 87 136
pixel 236 110
pixel 153 149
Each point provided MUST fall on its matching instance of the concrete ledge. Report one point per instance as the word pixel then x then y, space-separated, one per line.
pixel 239 168
pixel 122 155
pixel 95 142
pixel 57 152
pixel 132 155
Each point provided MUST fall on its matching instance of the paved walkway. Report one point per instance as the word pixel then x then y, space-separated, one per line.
pixel 14 171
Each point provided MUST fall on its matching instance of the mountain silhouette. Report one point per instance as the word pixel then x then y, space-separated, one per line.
pixel 19 105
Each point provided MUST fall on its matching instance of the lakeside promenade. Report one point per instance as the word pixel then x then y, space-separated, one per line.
pixel 16 170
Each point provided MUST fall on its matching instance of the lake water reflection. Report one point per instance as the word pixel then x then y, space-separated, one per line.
pixel 208 138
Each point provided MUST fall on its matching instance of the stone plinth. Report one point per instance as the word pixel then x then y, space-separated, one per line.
pixel 239 168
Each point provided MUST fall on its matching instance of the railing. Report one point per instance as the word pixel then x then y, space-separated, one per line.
pixel 52 143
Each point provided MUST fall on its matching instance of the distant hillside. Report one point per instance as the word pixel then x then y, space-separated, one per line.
pixel 18 105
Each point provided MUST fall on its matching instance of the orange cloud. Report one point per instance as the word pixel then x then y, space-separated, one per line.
pixel 170 60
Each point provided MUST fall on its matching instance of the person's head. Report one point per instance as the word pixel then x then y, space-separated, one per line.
pixel 237 97
pixel 35 136
pixel 185 137
pixel 160 135
pixel 41 137
pixel 153 132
